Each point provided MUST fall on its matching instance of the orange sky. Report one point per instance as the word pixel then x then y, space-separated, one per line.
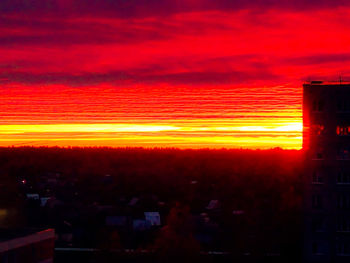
pixel 151 116
pixel 192 76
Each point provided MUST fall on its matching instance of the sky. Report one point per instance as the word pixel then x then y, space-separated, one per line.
pixel 150 73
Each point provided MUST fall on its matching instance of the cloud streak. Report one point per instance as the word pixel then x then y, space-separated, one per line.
pixel 138 77
pixel 144 8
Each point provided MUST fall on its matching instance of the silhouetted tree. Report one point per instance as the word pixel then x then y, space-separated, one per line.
pixel 176 242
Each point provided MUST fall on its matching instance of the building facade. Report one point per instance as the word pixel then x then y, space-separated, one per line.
pixel 27 246
pixel 326 143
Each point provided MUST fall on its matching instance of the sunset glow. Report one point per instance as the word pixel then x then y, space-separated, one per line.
pixel 191 75
pixel 147 135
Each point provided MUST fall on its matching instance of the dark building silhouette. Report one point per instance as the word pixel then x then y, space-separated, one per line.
pixel 326 141
pixel 26 246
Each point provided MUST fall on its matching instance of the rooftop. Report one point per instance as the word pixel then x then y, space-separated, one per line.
pixel 327 83
pixel 9 234
pixel 13 239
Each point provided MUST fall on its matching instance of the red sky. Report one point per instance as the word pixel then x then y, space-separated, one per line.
pixel 164 73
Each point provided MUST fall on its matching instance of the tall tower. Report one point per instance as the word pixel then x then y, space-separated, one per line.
pixel 326 143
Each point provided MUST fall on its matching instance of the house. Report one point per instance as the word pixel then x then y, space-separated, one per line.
pixel 213 204
pixel 133 201
pixel 141 225
pixel 153 218
pixel 32 196
pixel 43 200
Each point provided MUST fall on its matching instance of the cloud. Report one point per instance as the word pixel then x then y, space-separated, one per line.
pixel 319 59
pixel 138 77
pixel 216 47
pixel 212 78
pixel 16 30
pixel 63 31
pixel 143 8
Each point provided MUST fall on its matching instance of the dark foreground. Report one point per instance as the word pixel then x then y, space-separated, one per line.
pixel 137 205
pixel 138 257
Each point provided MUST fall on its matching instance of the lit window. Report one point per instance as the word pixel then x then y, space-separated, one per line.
pixel 343 153
pixel 317 129
pixel 343 130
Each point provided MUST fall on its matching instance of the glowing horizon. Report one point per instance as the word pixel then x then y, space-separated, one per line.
pixel 184 119
pixel 131 134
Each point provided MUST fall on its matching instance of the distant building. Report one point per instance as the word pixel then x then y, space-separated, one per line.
pixel 141 225
pixel 213 204
pixel 133 201
pixel 43 200
pixel 33 196
pixel 326 141
pixel 153 218
pixel 23 246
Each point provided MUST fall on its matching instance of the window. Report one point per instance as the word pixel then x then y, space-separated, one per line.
pixel 317 178
pixel 343 105
pixel 317 129
pixel 318 224
pixel 315 248
pixel 343 249
pixel 317 105
pixel 317 201
pixel 343 130
pixel 343 153
pixel 319 248
pixel 343 177
pixel 318 154
pixel 343 224
pixel 343 201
